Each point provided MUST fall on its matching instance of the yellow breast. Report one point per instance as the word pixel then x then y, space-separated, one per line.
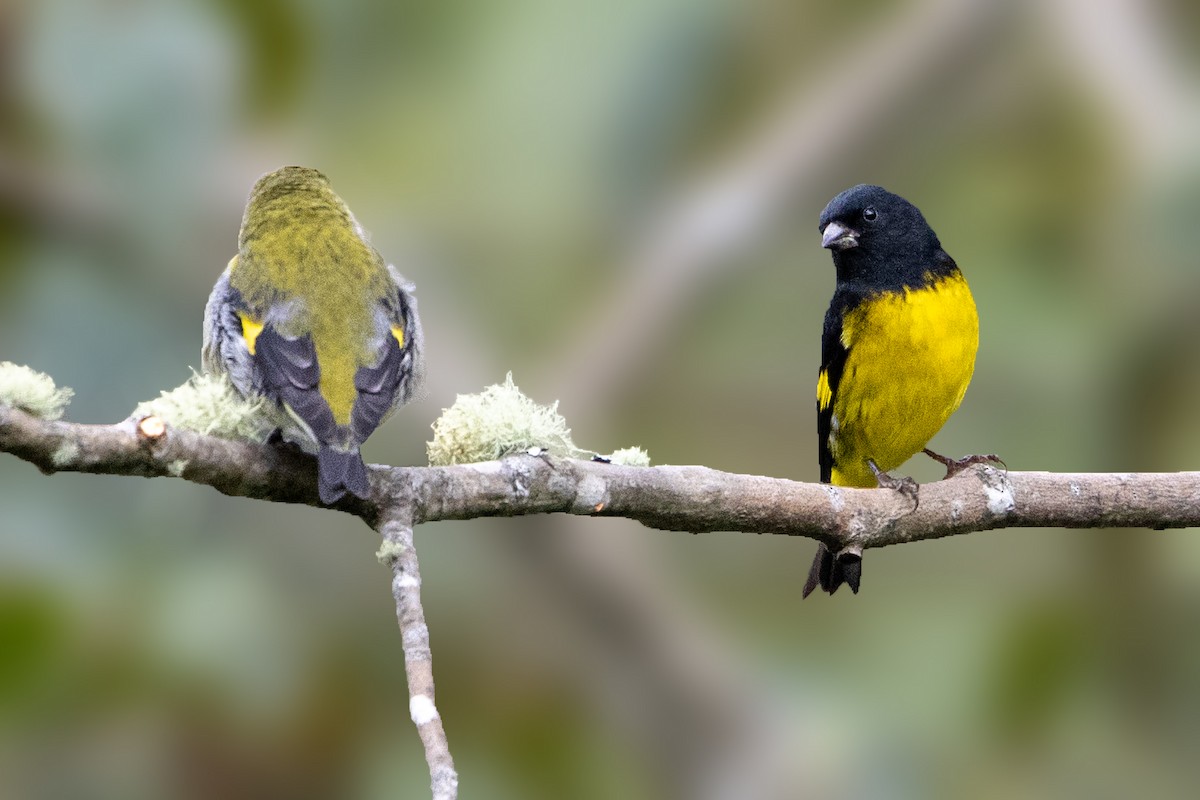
pixel 910 358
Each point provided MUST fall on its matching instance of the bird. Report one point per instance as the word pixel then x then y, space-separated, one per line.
pixel 309 316
pixel 897 354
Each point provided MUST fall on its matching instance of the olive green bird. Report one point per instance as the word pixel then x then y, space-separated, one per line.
pixel 310 316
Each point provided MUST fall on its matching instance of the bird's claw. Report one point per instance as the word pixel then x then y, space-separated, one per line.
pixel 904 484
pixel 956 465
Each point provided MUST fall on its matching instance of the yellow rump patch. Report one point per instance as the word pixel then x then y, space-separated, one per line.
pixel 399 334
pixel 824 393
pixel 250 331
pixel 232 263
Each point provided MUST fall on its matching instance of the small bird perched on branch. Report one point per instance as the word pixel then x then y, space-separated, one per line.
pixel 310 316
pixel 897 352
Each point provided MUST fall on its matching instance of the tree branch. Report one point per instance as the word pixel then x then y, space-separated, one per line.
pixel 693 499
pixel 682 498
pixel 399 554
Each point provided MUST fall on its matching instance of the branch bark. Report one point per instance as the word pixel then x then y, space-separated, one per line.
pixel 694 499
pixel 399 554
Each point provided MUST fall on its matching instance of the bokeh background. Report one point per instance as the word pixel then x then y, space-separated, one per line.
pixel 617 201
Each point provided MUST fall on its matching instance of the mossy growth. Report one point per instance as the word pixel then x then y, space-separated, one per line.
pixel 33 392
pixel 210 405
pixel 501 421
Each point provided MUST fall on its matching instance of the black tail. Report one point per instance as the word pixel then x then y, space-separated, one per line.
pixel 339 472
pixel 830 571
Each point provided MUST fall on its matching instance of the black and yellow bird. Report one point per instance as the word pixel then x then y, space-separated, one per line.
pixel 897 353
pixel 310 317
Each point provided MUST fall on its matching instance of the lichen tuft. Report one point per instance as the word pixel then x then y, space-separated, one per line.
pixel 210 405
pixel 32 391
pixel 497 422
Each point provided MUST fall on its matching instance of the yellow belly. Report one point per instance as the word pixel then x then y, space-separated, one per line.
pixel 910 359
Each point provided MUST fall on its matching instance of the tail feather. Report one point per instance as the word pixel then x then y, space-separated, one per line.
pixel 339 472
pixel 829 571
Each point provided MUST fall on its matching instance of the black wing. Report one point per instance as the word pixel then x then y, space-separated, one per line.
pixel 291 376
pixel 833 363
pixel 391 380
pixel 377 387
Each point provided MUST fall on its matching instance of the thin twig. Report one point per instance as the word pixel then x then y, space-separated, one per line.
pixel 397 552
pixel 685 498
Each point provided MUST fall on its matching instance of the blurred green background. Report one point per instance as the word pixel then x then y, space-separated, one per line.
pixel 617 201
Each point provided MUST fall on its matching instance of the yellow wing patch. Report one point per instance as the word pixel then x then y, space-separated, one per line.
pixel 250 331
pixel 824 393
pixel 398 333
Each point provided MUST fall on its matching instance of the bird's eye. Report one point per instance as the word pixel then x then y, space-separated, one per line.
pixel 869 214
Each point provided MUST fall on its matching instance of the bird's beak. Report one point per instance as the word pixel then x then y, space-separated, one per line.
pixel 837 236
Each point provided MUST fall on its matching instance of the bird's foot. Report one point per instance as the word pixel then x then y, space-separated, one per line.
pixel 277 441
pixel 904 485
pixel 956 465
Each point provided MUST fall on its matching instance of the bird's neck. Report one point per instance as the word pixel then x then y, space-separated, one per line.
pixel 908 271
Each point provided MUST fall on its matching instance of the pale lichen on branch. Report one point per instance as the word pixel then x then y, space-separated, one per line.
pixel 694 499
pixel 537 480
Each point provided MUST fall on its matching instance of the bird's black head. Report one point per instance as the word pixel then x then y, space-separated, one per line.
pixel 881 240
